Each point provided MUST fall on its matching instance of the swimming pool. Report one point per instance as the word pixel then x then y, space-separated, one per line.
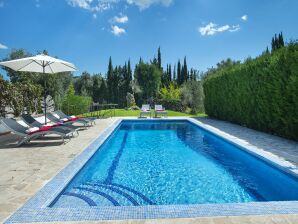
pixel 162 168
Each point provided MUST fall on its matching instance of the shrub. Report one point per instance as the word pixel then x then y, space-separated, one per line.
pixel 19 96
pixel 261 93
pixel 175 105
pixel 172 92
pixel 130 100
pixel 192 96
pixel 74 104
pixel 4 96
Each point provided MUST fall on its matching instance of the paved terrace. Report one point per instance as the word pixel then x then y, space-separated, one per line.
pixel 24 170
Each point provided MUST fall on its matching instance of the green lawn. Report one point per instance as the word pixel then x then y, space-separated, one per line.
pixel 136 113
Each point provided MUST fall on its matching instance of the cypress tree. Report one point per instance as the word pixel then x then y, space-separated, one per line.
pixel 281 40
pixel 191 74
pixel 159 58
pixel 141 60
pixel 185 71
pixel 164 77
pixel 272 44
pixel 195 75
pixel 170 73
pixel 154 62
pixel 129 77
pixel 179 73
pixel 276 42
pixel 110 81
pixel 174 73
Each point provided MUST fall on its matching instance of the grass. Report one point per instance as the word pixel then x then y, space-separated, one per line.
pixel 136 113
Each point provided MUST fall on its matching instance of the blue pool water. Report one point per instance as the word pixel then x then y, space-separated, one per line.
pixel 173 162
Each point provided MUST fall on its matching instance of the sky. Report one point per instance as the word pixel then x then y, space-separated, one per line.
pixel 88 32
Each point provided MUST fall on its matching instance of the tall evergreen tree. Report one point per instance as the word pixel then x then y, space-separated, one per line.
pixel 174 73
pixel 273 44
pixel 164 77
pixel 277 42
pixel 184 71
pixel 170 73
pixel 159 58
pixel 141 60
pixel 123 85
pixel 110 81
pixel 154 62
pixel 191 77
pixel 116 84
pixel 129 77
pixel 179 73
pixel 281 40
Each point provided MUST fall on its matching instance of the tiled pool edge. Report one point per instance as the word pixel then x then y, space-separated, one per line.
pixel 259 153
pixel 36 210
pixel 53 187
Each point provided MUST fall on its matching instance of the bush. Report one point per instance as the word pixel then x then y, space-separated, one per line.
pixel 261 93
pixel 130 100
pixel 73 104
pixel 19 96
pixel 4 96
pixel 172 92
pixel 175 105
pixel 192 96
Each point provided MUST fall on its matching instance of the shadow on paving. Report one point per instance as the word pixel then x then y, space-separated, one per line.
pixel 9 141
pixel 282 147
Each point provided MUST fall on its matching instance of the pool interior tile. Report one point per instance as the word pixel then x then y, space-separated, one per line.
pixel 37 210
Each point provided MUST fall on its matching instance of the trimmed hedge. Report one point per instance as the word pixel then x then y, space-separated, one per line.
pixel 260 93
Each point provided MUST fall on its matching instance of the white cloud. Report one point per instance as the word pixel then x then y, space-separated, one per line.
pixel 94 16
pixel 85 4
pixel 244 17
pixel 102 5
pixel 119 19
pixel 144 4
pixel 212 28
pixel 93 5
pixel 235 28
pixel 2 46
pixel 117 31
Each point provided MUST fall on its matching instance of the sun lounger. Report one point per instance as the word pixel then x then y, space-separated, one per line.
pixel 63 115
pixel 145 110
pixel 33 133
pixel 32 122
pixel 159 110
pixel 66 122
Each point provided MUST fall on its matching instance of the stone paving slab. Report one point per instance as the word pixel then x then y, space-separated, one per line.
pixel 25 170
pixel 281 147
pixel 272 219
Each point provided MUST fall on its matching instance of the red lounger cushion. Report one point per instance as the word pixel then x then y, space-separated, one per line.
pixel 72 119
pixel 44 128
